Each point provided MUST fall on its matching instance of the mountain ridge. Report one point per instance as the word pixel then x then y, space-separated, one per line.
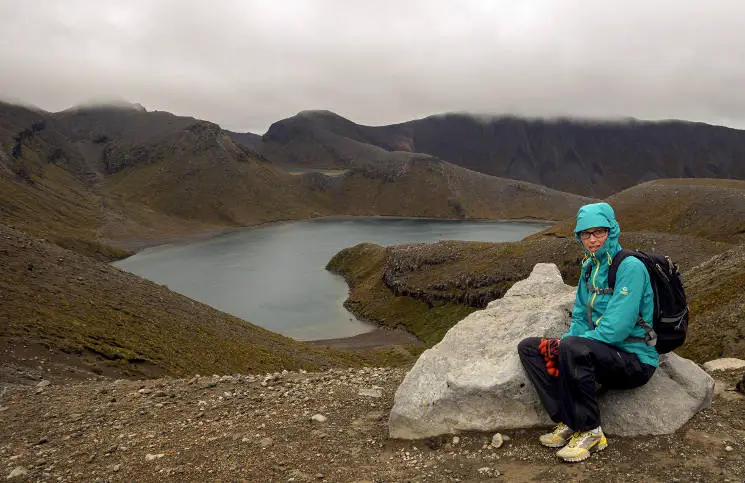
pixel 156 175
pixel 588 157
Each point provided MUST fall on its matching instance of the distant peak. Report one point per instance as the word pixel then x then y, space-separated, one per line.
pixel 318 113
pixel 107 103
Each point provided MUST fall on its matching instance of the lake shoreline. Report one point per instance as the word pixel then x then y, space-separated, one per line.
pixel 345 230
pixel 138 244
pixel 381 336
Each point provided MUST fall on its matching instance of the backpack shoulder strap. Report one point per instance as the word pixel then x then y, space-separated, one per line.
pixel 588 271
pixel 617 259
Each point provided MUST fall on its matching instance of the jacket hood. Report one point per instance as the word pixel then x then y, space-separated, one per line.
pixel 599 215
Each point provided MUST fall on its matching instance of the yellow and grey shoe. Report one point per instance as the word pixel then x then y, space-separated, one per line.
pixel 581 445
pixel 558 437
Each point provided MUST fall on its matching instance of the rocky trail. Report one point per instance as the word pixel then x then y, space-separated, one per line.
pixel 326 426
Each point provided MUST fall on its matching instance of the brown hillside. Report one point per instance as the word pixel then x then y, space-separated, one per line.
pixel 709 208
pixel 75 312
pixel 717 302
pixel 422 186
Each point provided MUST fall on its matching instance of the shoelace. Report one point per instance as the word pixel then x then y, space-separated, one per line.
pixel 576 439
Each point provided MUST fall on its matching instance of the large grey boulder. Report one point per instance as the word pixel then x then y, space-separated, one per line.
pixel 473 380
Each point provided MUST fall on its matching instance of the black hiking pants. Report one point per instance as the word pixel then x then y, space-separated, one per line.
pixel 571 397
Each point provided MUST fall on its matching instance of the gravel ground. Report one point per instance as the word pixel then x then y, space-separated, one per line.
pixel 327 426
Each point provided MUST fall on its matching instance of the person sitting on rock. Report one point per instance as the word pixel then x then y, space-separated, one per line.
pixel 597 349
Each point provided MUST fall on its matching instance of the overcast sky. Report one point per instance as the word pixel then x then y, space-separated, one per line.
pixel 245 64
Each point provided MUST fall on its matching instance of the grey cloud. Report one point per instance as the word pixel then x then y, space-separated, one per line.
pixel 247 64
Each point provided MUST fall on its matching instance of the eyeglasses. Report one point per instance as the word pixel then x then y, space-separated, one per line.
pixel 600 233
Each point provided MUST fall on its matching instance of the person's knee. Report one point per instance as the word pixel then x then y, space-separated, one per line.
pixel 527 346
pixel 573 346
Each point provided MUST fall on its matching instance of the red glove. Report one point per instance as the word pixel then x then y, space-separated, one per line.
pixel 550 350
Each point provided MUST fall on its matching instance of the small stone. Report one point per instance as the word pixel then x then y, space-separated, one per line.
pixel 266 442
pixel 43 383
pixel 370 392
pixel 17 472
pixel 319 418
pixel 374 416
pixel 116 468
pixel 144 390
pixel 728 448
pixel 153 457
pixel 456 440
pixel 497 440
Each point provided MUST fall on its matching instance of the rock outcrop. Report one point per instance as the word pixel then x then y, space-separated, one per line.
pixel 473 381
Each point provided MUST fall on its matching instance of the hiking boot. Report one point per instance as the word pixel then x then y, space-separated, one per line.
pixel 558 437
pixel 581 445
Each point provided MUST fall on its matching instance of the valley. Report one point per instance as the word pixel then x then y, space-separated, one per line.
pixel 84 187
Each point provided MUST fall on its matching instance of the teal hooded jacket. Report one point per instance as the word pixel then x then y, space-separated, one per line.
pixel 614 316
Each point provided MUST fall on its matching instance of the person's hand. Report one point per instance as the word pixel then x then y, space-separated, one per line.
pixel 550 350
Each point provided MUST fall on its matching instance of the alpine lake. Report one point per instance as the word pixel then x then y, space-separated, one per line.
pixel 275 277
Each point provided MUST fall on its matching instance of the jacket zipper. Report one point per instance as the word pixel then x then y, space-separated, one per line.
pixel 595 286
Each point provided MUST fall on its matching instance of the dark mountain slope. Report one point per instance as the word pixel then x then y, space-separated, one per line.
pixel 593 158
pixel 46 186
pixel 320 139
pixel 122 136
pixel 126 173
pixel 247 139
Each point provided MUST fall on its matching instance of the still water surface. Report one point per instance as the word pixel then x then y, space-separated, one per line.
pixel 275 276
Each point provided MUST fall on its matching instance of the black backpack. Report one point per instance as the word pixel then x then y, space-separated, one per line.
pixel 670 317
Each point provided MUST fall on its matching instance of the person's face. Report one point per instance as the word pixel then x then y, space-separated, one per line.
pixel 593 238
